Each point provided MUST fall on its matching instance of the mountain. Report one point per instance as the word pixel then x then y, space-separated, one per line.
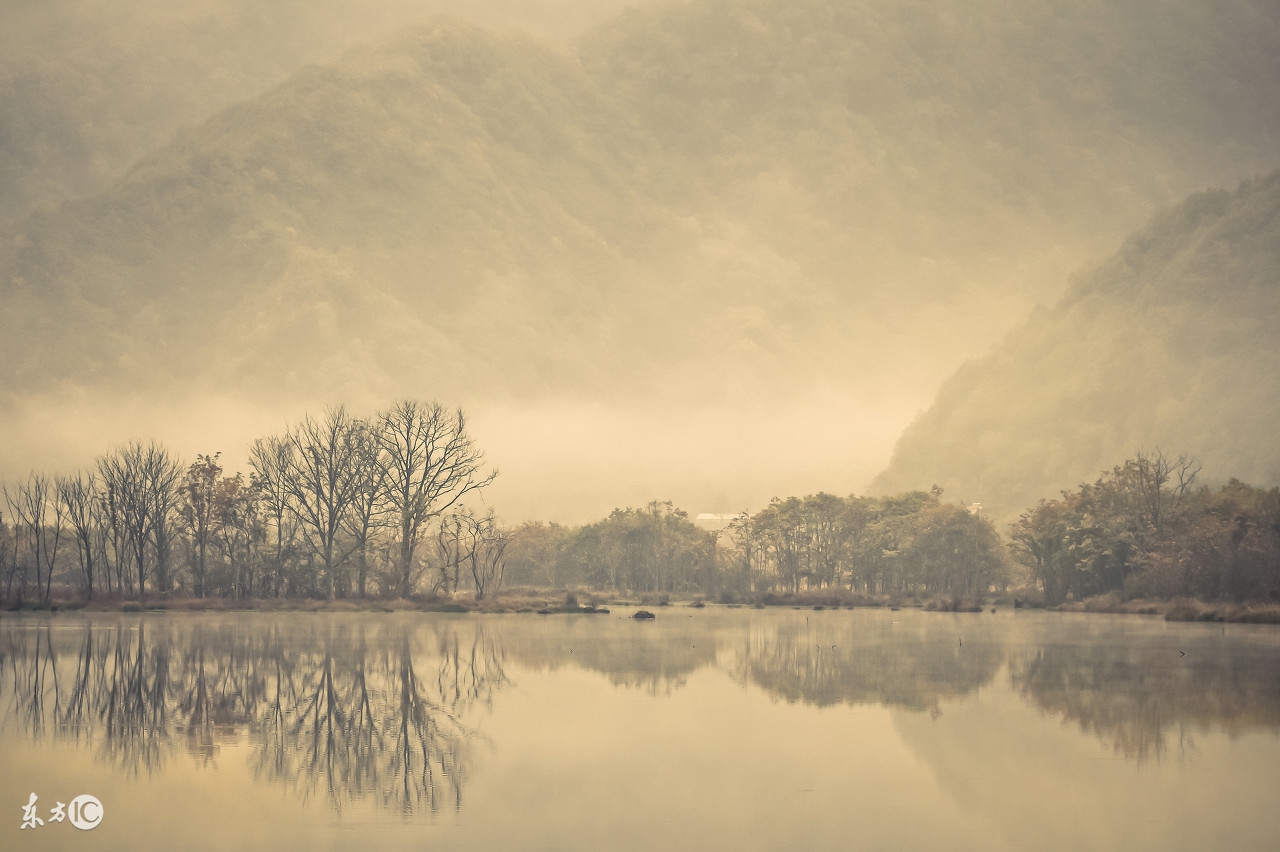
pixel 86 88
pixel 356 210
pixel 1173 343
pixel 948 129
pixel 754 224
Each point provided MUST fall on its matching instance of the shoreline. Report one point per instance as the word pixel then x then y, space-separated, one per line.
pixel 558 602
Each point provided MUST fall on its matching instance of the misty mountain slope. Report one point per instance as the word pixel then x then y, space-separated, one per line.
pixel 86 88
pixel 756 195
pixel 714 228
pixel 960 126
pixel 1173 343
pixel 931 170
pixel 421 173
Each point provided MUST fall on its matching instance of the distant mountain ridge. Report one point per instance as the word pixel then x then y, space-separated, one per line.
pixel 1173 343
pixel 88 88
pixel 763 210
pixel 281 209
pixel 785 172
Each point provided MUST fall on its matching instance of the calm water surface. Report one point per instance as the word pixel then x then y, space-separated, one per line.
pixel 706 729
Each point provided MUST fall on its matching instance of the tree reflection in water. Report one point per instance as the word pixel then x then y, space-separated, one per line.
pixel 831 661
pixel 374 709
pixel 325 715
pixel 656 658
pixel 137 701
pixel 1145 695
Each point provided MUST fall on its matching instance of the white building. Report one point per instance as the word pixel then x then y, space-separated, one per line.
pixel 716 521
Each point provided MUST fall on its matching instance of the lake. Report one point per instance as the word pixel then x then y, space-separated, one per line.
pixel 714 728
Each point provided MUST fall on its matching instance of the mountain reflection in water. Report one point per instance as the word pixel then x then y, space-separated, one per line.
pixel 380 708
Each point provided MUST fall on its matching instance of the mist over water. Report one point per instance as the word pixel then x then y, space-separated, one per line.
pixel 755 729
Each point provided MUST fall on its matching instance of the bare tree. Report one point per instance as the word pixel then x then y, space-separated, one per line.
pixel 163 476
pixel 272 460
pixel 1162 483
pixel 39 514
pixel 485 544
pixel 121 476
pixel 451 551
pixel 79 499
pixel 369 504
pixel 432 463
pixel 322 483
pixel 143 482
pixel 239 528
pixel 199 511
pixel 8 556
pixel 113 534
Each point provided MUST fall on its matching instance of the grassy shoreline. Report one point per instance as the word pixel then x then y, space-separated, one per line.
pixel 548 602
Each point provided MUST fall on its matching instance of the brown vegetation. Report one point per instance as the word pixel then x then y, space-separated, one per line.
pixel 556 602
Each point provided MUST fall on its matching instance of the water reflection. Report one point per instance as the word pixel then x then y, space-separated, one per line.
pixel 1153 691
pixel 383 709
pixel 826 661
pixel 345 711
pixel 655 657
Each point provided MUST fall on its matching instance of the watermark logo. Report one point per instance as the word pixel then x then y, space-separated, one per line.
pixel 85 813
pixel 29 818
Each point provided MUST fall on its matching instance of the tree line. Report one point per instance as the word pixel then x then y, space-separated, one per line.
pixel 909 543
pixel 1145 529
pixel 335 506
pixel 340 506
